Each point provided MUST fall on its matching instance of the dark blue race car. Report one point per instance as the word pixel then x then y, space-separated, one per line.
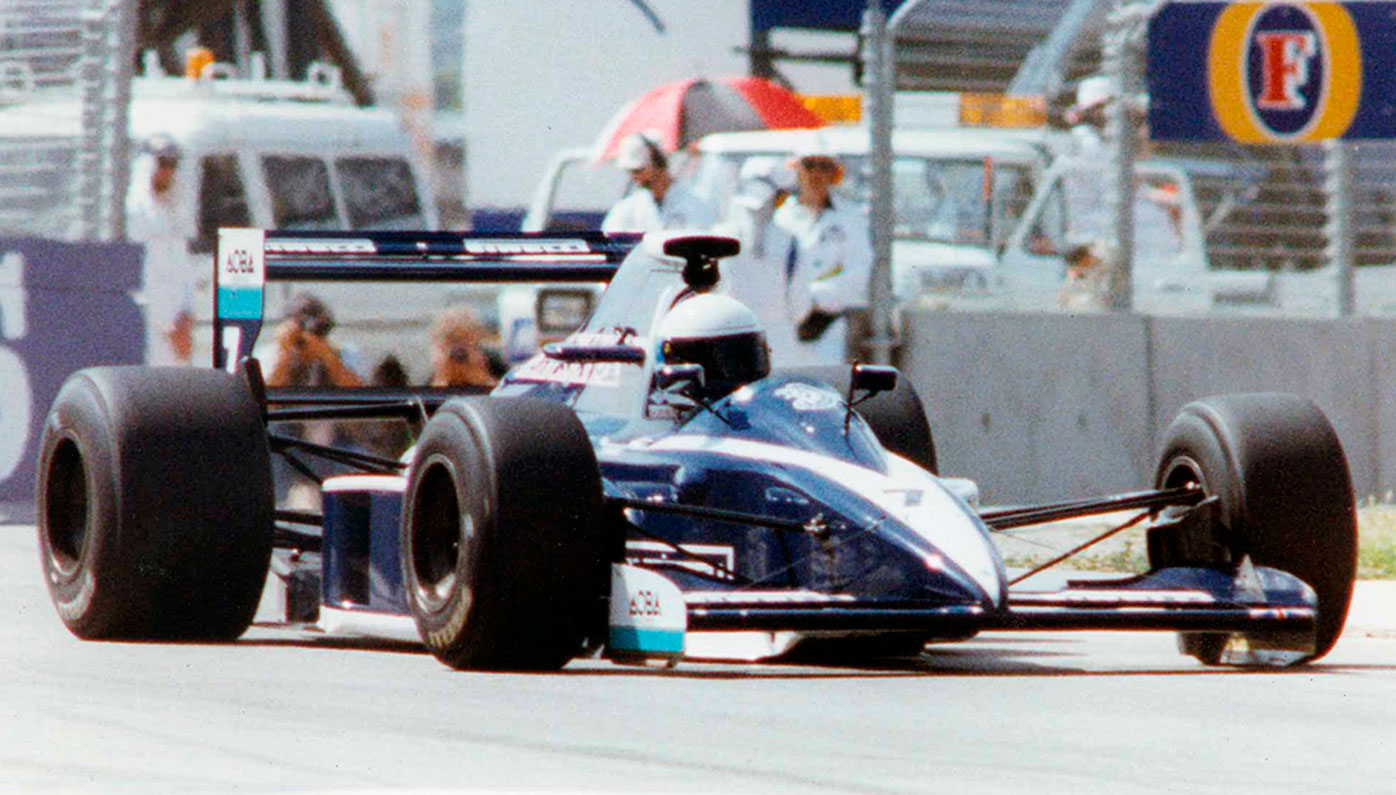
pixel 648 488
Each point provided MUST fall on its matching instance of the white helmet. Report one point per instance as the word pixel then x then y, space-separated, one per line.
pixel 720 333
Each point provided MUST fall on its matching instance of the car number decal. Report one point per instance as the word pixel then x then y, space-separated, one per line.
pixel 804 397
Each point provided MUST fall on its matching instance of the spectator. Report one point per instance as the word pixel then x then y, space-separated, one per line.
pixel 833 254
pixel 388 438
pixel 1088 286
pixel 304 354
pixel 154 219
pixel 1087 116
pixel 658 202
pixel 762 275
pixel 458 357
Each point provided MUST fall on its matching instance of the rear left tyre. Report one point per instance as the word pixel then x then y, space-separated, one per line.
pixel 897 417
pixel 155 508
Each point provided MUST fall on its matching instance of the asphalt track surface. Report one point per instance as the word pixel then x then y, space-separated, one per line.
pixel 287 711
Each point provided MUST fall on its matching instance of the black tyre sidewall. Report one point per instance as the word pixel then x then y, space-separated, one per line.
pixel 529 579
pixel 1285 491
pixel 178 478
pixel 449 625
pixel 80 420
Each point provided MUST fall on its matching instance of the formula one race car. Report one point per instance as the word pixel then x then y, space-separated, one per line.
pixel 647 489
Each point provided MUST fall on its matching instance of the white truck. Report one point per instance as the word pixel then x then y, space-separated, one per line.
pixel 1174 270
pixel 282 154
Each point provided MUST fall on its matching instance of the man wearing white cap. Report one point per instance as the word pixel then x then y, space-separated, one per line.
pixel 833 253
pixel 762 275
pixel 155 219
pixel 658 203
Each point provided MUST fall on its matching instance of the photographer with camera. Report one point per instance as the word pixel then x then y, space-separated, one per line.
pixel 458 357
pixel 304 354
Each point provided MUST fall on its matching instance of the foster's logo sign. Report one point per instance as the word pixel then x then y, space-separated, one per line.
pixel 1284 71
pixel 1272 72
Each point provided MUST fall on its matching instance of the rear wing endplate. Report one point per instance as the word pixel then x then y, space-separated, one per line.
pixel 247 259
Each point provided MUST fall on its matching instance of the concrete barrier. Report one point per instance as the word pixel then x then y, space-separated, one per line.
pixel 1048 406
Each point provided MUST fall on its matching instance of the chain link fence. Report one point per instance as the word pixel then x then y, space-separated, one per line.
pixel 1264 208
pixel 64 89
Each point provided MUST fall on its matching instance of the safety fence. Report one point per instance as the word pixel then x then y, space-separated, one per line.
pixel 64 86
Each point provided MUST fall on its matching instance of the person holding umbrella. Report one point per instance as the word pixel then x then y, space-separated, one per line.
pixel 658 202
pixel 833 253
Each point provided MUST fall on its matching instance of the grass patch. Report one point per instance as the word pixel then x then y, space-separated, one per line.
pixel 1376 540
pixel 1127 552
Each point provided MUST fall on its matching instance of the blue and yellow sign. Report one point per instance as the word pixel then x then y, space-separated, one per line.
pixel 1278 72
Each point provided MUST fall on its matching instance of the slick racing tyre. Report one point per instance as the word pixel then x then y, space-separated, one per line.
pixel 1285 495
pixel 502 546
pixel 155 508
pixel 897 417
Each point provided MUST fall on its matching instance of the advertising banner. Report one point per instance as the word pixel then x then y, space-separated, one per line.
pixel 63 306
pixel 1272 73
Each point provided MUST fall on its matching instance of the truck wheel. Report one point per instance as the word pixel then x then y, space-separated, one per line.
pixel 1285 495
pixel 897 417
pixel 502 541
pixel 155 507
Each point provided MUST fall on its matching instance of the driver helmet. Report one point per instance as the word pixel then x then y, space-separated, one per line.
pixel 720 333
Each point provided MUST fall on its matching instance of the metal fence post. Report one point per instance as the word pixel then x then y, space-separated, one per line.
pixel 1338 227
pixel 108 43
pixel 1119 179
pixel 879 83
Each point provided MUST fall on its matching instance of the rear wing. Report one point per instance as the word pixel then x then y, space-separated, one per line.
pixel 247 259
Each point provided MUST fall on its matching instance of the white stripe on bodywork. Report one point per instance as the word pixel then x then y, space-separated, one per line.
pixel 907 492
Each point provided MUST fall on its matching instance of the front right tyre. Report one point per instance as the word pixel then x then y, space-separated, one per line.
pixel 1285 498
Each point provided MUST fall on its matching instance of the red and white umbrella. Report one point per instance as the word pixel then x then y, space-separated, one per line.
pixel 682 112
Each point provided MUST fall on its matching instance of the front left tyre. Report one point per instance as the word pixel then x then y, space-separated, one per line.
pixel 155 507
pixel 502 538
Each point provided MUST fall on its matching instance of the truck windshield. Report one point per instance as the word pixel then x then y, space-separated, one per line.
pixel 1075 212
pixel 379 193
pixel 300 192
pixel 964 201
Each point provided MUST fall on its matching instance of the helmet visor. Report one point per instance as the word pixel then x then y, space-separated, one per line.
pixel 727 360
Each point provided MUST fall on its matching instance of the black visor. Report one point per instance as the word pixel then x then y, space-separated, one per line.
pixel 727 361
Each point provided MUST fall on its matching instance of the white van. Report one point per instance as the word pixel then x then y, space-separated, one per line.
pixel 279 155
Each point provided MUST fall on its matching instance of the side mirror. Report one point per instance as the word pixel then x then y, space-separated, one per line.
pixel 873 378
pixel 671 375
pixel 561 311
